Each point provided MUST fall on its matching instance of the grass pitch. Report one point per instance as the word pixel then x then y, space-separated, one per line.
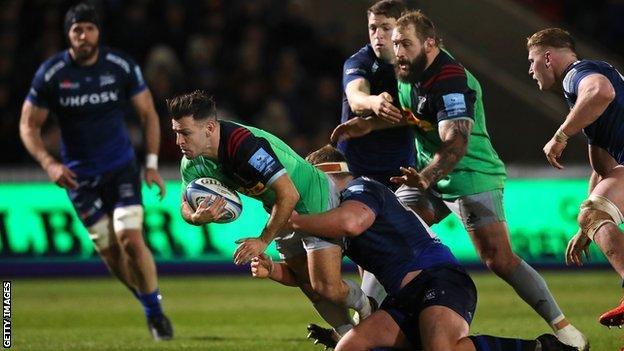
pixel 240 313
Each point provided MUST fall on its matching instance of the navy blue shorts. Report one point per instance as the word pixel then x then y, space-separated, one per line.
pixel 446 285
pixel 99 195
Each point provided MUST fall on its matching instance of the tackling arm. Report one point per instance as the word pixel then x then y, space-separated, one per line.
pixel 350 219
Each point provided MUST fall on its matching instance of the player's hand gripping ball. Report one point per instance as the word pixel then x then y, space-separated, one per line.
pixel 210 189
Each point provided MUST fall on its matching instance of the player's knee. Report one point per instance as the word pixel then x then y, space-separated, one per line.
pixel 131 242
pixel 327 290
pixel 101 234
pixel 128 218
pixel 351 342
pixel 597 211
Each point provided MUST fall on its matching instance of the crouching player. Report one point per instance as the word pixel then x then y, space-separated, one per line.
pixel 431 299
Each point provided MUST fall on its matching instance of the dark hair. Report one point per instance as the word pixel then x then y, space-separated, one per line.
pixel 327 153
pixel 554 37
pixel 388 8
pixel 423 26
pixel 80 13
pixel 197 104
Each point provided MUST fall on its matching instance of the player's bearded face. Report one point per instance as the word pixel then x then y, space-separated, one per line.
pixel 408 70
pixel 84 39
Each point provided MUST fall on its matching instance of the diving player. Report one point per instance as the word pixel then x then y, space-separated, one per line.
pixel 260 165
pixel 594 91
pixel 89 88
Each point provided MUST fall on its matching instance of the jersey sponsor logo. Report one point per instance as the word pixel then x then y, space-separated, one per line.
pixel 262 162
pixel 52 71
pixel 455 105
pixel 411 118
pixel 375 67
pixel 107 79
pixel 69 85
pixel 355 71
pixel 90 99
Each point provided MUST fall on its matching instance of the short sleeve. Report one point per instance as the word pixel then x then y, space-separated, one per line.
pixel 254 157
pixel 38 94
pixel 354 68
pixel 136 83
pixel 576 74
pixel 453 99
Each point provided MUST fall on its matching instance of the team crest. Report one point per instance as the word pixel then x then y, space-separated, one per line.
pixel 107 79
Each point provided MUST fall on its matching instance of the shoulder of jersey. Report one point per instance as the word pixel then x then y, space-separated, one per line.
pixel 50 67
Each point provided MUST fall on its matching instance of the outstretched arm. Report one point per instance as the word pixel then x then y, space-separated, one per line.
pixel 454 134
pixel 362 103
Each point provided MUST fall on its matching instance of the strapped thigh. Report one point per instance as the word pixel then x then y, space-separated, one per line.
pixel 602 204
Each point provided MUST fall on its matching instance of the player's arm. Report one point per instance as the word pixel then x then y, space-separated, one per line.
pixel 286 197
pixel 362 103
pixel 349 219
pixel 454 134
pixel 31 121
pixel 595 93
pixel 144 106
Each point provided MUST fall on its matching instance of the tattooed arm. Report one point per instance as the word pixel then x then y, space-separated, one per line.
pixel 454 134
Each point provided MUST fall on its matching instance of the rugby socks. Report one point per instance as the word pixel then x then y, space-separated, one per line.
pixel 151 303
pixel 336 316
pixel 532 288
pixel 357 300
pixel 372 287
pixel 494 343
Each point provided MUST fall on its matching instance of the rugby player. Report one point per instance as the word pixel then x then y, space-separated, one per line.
pixel 594 90
pixel 88 88
pixel 431 300
pixel 370 88
pixel 262 166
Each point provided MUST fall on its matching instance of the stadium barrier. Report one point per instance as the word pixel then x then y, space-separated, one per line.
pixel 39 230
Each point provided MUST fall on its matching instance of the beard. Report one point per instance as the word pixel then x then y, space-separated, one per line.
pixel 85 52
pixel 414 71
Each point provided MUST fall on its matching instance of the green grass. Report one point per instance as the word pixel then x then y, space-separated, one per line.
pixel 239 313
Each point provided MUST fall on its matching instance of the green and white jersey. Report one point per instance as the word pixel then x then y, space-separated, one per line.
pixel 251 159
pixel 448 91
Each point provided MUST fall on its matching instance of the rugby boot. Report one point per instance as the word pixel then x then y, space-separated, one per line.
pixel 549 342
pixel 160 328
pixel 614 317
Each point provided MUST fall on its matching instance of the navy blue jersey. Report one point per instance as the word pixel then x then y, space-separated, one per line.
pixel 607 132
pixel 90 103
pixel 379 154
pixel 397 242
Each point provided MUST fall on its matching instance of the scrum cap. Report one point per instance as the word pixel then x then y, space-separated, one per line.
pixel 81 13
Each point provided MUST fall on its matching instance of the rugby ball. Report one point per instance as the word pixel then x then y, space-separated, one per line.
pixel 208 189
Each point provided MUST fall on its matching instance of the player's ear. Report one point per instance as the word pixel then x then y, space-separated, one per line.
pixel 210 126
pixel 547 59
